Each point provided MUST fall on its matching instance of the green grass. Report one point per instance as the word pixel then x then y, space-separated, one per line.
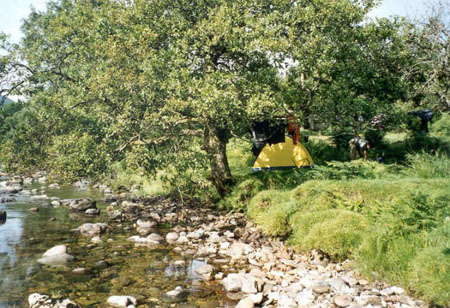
pixel 392 218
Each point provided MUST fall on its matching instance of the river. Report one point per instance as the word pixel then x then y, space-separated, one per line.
pixel 115 266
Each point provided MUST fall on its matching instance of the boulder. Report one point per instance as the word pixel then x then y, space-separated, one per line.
pixel 121 301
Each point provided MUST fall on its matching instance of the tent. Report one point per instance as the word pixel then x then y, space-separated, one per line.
pixel 283 155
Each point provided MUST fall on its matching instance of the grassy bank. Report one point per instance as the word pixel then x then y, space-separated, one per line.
pixel 392 218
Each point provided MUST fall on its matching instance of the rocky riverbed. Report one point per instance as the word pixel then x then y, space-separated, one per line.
pixel 157 252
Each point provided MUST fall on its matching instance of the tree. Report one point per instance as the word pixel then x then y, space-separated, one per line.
pixel 428 72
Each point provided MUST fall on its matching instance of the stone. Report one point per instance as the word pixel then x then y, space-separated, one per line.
pixel 233 282
pixel 391 291
pixel 205 269
pixel 343 300
pixel 56 203
pixel 2 216
pixel 81 205
pixel 256 298
pixel 37 300
pixel 145 224
pixel 121 301
pixel 79 270
pixel 54 186
pixel 245 303
pixel 305 298
pixel 249 284
pixel 177 295
pixel 56 250
pixel 92 212
pixel 34 210
pixel 56 260
pixel 237 250
pixel 321 288
pixel 171 237
pixel 286 301
pixel 338 284
pixel 93 228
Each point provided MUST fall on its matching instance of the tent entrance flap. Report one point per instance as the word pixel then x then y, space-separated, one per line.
pixel 283 155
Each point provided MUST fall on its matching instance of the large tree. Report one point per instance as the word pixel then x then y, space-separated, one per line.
pixel 171 81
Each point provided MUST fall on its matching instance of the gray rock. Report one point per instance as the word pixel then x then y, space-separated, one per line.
pixel 177 295
pixel 321 287
pixel 93 228
pixel 249 284
pixel 121 301
pixel 7 198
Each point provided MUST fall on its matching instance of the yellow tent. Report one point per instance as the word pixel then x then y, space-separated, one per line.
pixel 283 155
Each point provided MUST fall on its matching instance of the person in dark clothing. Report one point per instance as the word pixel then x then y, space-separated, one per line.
pixel 359 145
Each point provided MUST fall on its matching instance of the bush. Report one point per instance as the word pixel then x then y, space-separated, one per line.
pixel 336 232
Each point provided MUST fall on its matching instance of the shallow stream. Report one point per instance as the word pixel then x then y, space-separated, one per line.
pixel 115 266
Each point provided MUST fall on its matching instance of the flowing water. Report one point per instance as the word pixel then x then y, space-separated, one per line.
pixel 113 267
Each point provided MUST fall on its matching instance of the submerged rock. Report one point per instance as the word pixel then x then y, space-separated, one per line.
pixel 37 300
pixel 56 260
pixel 81 205
pixel 121 301
pixel 2 216
pixel 177 295
pixel 93 228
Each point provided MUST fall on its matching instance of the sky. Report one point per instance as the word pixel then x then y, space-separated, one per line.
pixel 12 12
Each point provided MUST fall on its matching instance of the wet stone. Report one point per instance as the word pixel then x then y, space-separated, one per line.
pixel 177 295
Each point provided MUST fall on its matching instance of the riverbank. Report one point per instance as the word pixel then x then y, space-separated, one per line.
pixel 203 258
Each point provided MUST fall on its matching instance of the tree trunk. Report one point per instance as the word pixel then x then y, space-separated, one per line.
pixel 215 144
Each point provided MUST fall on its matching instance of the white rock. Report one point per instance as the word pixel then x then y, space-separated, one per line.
pixel 121 301
pixel 305 298
pixel 256 298
pixel 245 303
pixel 233 282
pixel 205 269
pixel 57 250
pixel 171 237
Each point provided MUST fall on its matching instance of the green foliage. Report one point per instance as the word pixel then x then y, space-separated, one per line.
pixel 241 195
pixel 271 210
pixel 77 156
pixel 336 232
pixel 427 166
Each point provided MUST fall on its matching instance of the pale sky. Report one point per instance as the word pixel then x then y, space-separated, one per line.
pixel 12 12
